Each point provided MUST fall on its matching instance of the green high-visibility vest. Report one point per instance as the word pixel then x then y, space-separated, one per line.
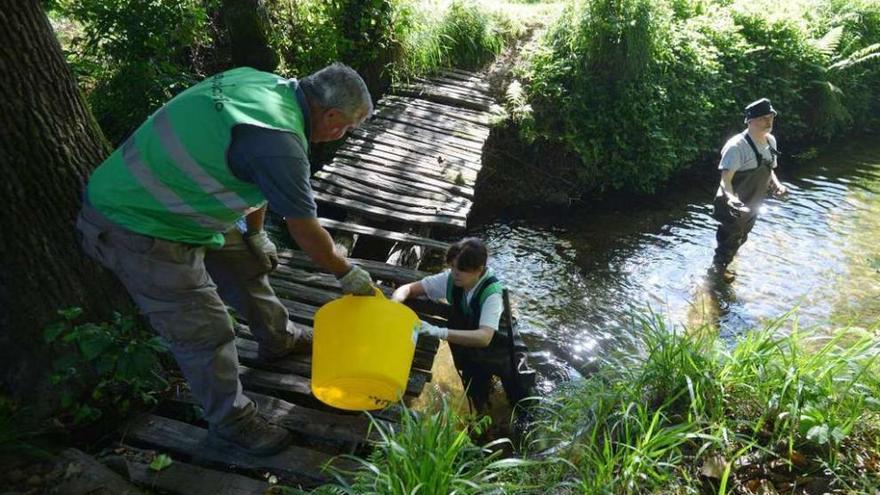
pixel 170 179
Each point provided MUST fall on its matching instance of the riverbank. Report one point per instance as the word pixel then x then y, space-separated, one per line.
pixel 778 411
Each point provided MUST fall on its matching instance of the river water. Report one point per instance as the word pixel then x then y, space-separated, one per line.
pixel 576 280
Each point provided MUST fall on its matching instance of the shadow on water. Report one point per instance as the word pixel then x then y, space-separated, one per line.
pixel 578 278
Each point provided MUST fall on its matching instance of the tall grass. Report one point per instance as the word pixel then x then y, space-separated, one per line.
pixel 428 454
pixel 689 413
pixel 432 35
pixel 693 413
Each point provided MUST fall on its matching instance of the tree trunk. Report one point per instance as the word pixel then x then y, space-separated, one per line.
pixel 247 22
pixel 49 142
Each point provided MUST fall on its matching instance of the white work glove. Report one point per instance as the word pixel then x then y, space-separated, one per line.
pixel 433 330
pixel 357 281
pixel 778 192
pixel 262 248
pixel 737 208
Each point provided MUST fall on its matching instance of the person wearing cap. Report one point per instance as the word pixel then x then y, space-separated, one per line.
pixel 164 212
pixel 479 350
pixel 747 165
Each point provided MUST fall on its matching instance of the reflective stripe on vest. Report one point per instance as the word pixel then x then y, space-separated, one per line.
pixel 185 162
pixel 169 199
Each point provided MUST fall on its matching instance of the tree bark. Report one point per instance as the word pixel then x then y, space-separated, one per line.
pixel 247 22
pixel 49 142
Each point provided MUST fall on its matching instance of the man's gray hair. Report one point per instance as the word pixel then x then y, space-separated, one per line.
pixel 338 86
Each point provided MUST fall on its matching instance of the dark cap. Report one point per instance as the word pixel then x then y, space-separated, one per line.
pixel 759 108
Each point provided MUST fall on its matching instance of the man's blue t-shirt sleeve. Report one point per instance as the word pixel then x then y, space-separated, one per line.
pixel 278 164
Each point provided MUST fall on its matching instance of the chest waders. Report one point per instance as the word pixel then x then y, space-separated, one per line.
pixel 504 357
pixel 751 187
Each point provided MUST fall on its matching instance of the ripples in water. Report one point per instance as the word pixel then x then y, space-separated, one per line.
pixel 575 282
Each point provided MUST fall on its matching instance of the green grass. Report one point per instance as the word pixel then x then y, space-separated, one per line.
pixel 436 34
pixel 430 453
pixel 694 413
pixel 689 413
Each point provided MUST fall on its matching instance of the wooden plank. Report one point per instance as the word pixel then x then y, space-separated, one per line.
pixel 459 87
pixel 331 173
pixel 456 127
pixel 435 125
pixel 386 214
pixel 181 478
pixel 315 423
pixel 299 387
pixel 174 436
pixel 473 84
pixel 405 122
pixel 465 74
pixel 372 193
pixel 461 190
pixel 426 93
pixel 411 153
pixel 377 269
pixel 452 184
pixel 477 117
pixel 460 91
pixel 437 118
pixel 400 203
pixel 247 355
pixel 411 131
pixel 404 139
pixel 410 150
pixel 384 234
pixel 444 171
pixel 393 137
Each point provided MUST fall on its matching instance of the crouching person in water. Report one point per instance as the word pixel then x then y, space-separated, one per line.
pixel 479 350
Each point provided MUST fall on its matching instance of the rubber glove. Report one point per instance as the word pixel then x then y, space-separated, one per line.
pixel 737 208
pixel 433 330
pixel 778 192
pixel 262 248
pixel 357 281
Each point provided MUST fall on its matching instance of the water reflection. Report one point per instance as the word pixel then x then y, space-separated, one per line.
pixel 576 280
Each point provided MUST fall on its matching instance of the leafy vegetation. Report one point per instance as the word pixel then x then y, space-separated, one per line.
pixel 130 57
pixel 428 453
pixel 640 90
pixel 99 367
pixel 778 409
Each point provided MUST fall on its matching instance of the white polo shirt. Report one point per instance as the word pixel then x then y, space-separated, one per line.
pixel 493 306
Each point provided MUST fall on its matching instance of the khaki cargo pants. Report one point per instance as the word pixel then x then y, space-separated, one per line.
pixel 181 288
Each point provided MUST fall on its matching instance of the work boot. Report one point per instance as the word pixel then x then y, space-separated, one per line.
pixel 299 342
pixel 254 435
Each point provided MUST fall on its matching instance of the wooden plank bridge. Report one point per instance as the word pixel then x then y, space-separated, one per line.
pixel 405 175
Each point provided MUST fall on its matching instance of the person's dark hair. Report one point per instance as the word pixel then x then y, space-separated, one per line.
pixel 468 254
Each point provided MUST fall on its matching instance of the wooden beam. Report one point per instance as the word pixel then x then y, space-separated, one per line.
pixel 478 117
pixel 459 189
pixel 322 425
pixel 177 437
pixel 386 214
pixel 427 93
pixel 384 234
pixel 181 478
pixel 455 207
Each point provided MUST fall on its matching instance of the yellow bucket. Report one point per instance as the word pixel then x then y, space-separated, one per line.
pixel 362 351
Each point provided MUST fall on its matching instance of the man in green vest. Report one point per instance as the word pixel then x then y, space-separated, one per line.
pixel 163 213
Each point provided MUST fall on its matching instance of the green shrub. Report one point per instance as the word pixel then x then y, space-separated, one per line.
pixel 134 55
pixel 643 89
pixel 101 367
pixel 464 35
